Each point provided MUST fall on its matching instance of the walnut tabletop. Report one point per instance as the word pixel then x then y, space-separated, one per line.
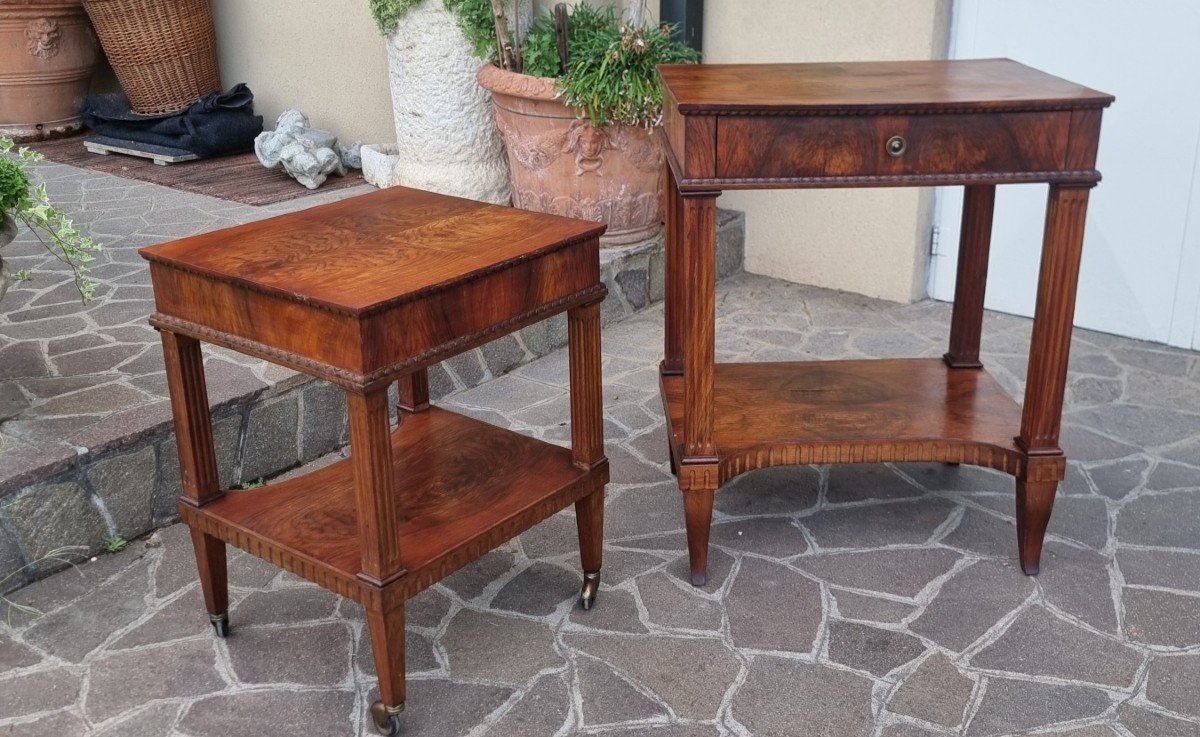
pixel 974 123
pixel 365 288
pixel 367 292
pixel 914 86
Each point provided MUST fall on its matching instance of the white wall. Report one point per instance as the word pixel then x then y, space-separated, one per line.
pixel 326 59
pixel 1140 274
pixel 871 241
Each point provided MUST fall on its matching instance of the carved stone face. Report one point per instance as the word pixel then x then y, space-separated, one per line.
pixel 587 142
pixel 591 141
pixel 41 38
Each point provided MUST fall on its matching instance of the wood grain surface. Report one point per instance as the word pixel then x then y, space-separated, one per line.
pixel 869 87
pixel 853 412
pixel 360 254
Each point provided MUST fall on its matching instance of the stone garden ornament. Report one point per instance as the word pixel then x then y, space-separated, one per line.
pixel 307 154
pixel 446 141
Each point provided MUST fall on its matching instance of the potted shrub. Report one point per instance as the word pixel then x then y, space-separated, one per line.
pixel 445 139
pixel 580 131
pixel 23 203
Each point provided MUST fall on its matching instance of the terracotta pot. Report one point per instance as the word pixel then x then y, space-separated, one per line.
pixel 564 165
pixel 47 56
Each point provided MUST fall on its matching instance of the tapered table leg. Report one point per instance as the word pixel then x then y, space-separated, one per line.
pixel 697 511
pixel 197 465
pixel 379 541
pixel 697 471
pixel 1050 347
pixel 587 438
pixel 386 627
pixel 966 323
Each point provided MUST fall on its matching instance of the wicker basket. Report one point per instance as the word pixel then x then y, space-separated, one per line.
pixel 163 51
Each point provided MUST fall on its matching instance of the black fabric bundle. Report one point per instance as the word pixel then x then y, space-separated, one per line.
pixel 221 123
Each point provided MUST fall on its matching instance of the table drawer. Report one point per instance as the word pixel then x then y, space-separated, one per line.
pixel 770 147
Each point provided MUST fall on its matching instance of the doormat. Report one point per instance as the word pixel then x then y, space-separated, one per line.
pixel 237 178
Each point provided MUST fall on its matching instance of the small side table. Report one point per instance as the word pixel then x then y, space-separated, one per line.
pixel 976 123
pixel 362 293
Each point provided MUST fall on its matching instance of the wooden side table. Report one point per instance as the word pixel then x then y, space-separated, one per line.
pixel 362 293
pixel 971 123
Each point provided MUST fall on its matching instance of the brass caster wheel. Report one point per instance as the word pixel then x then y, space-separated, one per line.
pixel 220 623
pixel 386 718
pixel 591 586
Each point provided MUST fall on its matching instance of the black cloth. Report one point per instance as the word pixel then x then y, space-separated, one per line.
pixel 220 123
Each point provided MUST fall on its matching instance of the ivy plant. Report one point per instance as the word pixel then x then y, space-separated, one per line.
pixel 387 13
pixel 27 204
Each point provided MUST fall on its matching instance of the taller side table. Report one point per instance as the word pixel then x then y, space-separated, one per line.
pixel 366 292
pixel 971 123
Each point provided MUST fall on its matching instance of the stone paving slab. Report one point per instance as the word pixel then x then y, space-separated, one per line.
pixel 86 444
pixel 873 601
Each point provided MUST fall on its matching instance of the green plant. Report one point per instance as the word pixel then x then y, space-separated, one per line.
pixel 477 23
pixel 612 75
pixel 256 484
pixel 387 13
pixel 115 543
pixel 30 205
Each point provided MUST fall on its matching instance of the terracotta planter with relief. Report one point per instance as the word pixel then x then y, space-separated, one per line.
pixel 47 56
pixel 564 165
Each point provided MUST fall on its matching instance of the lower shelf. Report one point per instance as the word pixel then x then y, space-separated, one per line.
pixel 462 486
pixel 772 414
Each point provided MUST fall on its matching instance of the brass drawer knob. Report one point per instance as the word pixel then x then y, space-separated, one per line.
pixel 896 146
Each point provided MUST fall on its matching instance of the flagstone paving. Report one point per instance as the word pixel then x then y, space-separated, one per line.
pixel 880 601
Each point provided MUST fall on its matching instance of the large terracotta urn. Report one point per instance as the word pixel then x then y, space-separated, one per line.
pixel 562 164
pixel 47 56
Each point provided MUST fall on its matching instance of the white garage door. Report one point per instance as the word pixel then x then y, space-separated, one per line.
pixel 1141 261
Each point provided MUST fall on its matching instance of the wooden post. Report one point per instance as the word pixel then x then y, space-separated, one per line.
pixel 197 464
pixel 1053 319
pixel 587 401
pixel 378 515
pixel 674 276
pixel 1046 382
pixel 193 422
pixel 587 435
pixel 508 60
pixel 414 391
pixel 699 319
pixel 966 323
